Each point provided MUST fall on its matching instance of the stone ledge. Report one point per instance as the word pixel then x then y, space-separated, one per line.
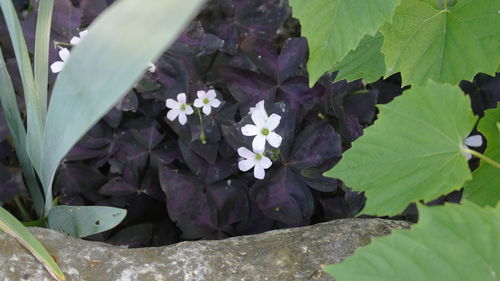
pixel 290 254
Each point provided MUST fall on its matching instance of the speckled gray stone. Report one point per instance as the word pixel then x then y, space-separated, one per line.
pixel 291 254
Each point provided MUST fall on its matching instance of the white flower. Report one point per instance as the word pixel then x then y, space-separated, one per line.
pixel 207 100
pixel 263 129
pixel 179 108
pixel 260 107
pixel 76 40
pixel 474 141
pixel 59 65
pixel 254 160
pixel 151 67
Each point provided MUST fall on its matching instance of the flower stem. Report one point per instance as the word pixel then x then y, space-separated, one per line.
pixel 482 157
pixel 203 138
pixel 57 43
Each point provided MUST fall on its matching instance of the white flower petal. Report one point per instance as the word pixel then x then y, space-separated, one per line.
pixel 245 165
pixel 182 117
pixel 64 54
pixel 467 155
pixel 207 109
pixel 259 143
pixel 75 40
pixel 181 98
pixel 57 66
pixel 273 121
pixel 211 94
pixel 274 139
pixel 198 102
pixel 260 106
pixel 172 114
pixel 251 110
pixel 474 141
pixel 259 118
pixel 258 172
pixel 170 103
pixel 265 162
pixel 215 103
pixel 151 68
pixel 246 153
pixel 189 110
pixel 250 130
pixel 201 94
pixel 83 33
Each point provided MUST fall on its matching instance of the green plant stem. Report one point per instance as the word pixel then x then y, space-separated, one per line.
pixel 445 4
pixel 57 43
pixel 24 213
pixel 37 223
pixel 483 157
pixel 203 138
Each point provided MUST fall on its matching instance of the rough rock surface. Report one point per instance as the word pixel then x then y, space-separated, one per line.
pixel 291 254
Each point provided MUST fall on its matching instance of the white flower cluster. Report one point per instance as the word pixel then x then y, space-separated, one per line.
pixel 58 66
pixel 263 131
pixel 180 109
pixel 64 52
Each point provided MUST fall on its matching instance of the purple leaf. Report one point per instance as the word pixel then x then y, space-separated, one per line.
pixel 264 55
pixel 232 202
pixel 314 145
pixel 117 187
pixel 284 197
pixel 128 102
pixel 248 87
pixel 292 56
pixel 135 236
pixel 12 183
pixel 91 9
pixel 206 172
pixel 361 106
pixel 187 203
pixel 79 179
pixel 314 178
pixel 195 42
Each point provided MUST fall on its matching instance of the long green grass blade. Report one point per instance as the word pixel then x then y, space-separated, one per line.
pixel 104 66
pixel 43 24
pixel 33 107
pixel 18 132
pixel 13 227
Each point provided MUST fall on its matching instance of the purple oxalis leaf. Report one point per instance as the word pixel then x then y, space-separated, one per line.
pixel 317 143
pixel 187 203
pixel 284 197
pixel 12 183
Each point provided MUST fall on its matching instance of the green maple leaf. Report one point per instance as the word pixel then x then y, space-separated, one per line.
pixel 484 188
pixel 412 152
pixel 426 41
pixel 335 27
pixel 449 243
pixel 366 61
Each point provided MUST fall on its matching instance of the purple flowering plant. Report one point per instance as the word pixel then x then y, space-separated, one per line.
pixel 223 136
